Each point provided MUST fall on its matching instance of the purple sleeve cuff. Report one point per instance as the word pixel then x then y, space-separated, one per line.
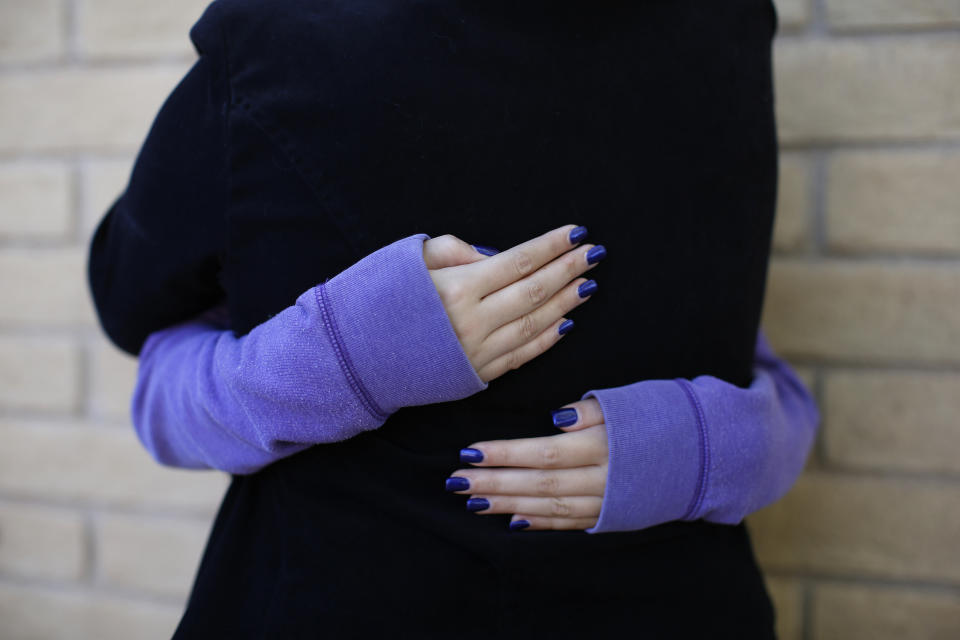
pixel 397 343
pixel 350 352
pixel 684 450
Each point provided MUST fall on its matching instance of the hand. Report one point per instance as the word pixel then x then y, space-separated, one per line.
pixel 507 309
pixel 553 482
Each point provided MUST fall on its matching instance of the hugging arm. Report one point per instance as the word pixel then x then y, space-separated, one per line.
pixel 704 448
pixel 349 353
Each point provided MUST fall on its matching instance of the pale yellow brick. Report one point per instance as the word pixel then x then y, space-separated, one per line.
pixel 29 613
pixel 869 312
pixel 894 201
pixel 852 525
pixel 893 420
pixel 35 200
pixel 103 182
pixel 137 28
pixel 160 555
pixel 39 373
pixel 858 14
pixel 82 109
pixel 791 230
pixel 792 14
pixel 867 89
pixel 787 596
pixel 31 30
pixel 863 612
pixel 113 380
pixel 97 465
pixel 45 287
pixel 40 542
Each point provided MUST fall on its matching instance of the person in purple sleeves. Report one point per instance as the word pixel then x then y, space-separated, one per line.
pixel 290 262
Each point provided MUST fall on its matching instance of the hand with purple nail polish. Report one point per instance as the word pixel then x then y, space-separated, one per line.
pixel 508 307
pixel 553 482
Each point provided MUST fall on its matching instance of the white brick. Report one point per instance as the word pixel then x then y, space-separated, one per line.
pixel 39 614
pixel 82 109
pixel 858 14
pixel 867 89
pixel 891 528
pixel 113 380
pixel 31 30
pixel 160 555
pixel 138 28
pixel 39 374
pixel 39 542
pixel 894 201
pixel 792 14
pixel 866 312
pixel 892 420
pixel 787 599
pixel 864 612
pixel 791 229
pixel 97 465
pixel 35 200
pixel 45 287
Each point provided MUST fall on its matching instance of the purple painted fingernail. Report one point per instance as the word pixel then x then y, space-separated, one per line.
pixel 477 504
pixel 565 326
pixel 564 417
pixel 596 254
pixel 577 234
pixel 457 484
pixel 588 288
pixel 487 251
pixel 516 525
pixel 471 455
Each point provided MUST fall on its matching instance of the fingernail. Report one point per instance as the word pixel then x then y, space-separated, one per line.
pixel 458 484
pixel 564 417
pixel 471 455
pixel 577 234
pixel 565 326
pixel 516 525
pixel 596 254
pixel 487 251
pixel 477 504
pixel 588 288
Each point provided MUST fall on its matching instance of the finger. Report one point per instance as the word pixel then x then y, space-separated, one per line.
pixel 577 449
pixel 520 261
pixel 522 330
pixel 578 415
pixel 449 251
pixel 535 523
pixel 556 507
pixel 522 297
pixel 523 354
pixel 578 481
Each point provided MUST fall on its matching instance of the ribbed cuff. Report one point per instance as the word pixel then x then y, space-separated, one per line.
pixel 392 332
pixel 655 457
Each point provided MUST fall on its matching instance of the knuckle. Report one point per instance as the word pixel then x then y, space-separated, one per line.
pixel 514 360
pixel 559 507
pixel 528 327
pixel 549 454
pixel 536 292
pixel 522 263
pixel 547 484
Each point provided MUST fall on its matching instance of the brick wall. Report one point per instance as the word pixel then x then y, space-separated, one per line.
pixel 97 541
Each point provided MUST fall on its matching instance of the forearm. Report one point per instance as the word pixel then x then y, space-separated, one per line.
pixel 349 353
pixel 704 448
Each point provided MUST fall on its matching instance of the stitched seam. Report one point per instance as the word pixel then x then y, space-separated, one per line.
pixel 343 355
pixel 697 501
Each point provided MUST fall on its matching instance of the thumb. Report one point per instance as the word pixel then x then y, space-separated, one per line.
pixel 450 251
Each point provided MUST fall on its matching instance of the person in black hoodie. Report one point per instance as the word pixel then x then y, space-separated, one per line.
pixel 310 134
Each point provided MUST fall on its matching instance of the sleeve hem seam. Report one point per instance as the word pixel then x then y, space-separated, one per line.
pixel 343 357
pixel 697 501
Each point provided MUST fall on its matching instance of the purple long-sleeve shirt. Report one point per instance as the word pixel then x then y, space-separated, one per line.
pixel 376 337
